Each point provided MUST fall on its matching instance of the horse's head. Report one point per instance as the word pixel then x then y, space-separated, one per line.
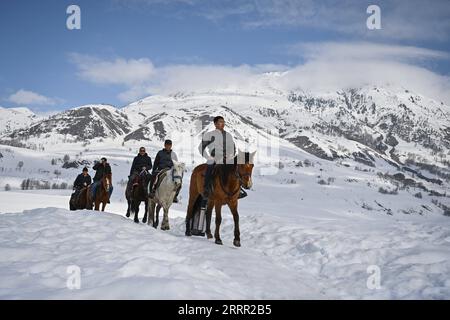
pixel 245 168
pixel 107 181
pixel 144 178
pixel 178 172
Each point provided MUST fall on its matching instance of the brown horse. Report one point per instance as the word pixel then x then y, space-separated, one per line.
pixel 79 199
pixel 101 194
pixel 227 180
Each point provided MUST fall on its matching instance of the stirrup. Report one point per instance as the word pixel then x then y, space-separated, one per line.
pixel 242 193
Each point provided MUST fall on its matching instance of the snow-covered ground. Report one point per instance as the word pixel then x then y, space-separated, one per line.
pixel 286 253
pixel 300 238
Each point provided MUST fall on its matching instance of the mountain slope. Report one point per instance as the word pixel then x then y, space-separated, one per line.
pixel 75 125
pixel 15 118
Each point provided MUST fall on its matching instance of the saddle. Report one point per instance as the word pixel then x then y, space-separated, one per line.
pixel 158 178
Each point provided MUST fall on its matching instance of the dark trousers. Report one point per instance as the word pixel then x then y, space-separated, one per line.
pixel 208 176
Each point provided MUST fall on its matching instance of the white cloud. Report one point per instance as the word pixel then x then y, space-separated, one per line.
pixel 327 66
pixel 25 97
pixel 332 66
pixel 118 71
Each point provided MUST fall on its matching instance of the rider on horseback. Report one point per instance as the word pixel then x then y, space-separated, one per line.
pixel 217 146
pixel 83 180
pixel 142 162
pixel 101 168
pixel 164 159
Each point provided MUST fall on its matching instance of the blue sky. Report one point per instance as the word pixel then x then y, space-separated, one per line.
pixel 131 49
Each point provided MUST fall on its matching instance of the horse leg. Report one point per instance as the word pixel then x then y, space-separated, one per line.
pixel 144 219
pixel 158 208
pixel 97 205
pixel 234 211
pixel 103 206
pixel 165 223
pixel 151 213
pixel 208 220
pixel 128 208
pixel 136 211
pixel 218 222
pixel 189 215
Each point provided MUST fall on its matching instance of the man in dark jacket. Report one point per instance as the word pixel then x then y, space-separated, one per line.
pixel 141 162
pixel 101 168
pixel 164 159
pixel 83 180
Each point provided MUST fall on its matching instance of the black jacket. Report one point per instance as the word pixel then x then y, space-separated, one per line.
pixel 81 180
pixel 141 161
pixel 164 159
pixel 101 170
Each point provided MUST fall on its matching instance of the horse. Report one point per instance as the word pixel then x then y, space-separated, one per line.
pixel 227 181
pixel 101 194
pixel 78 200
pixel 137 194
pixel 169 182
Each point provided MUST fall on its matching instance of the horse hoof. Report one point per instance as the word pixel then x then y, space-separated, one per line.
pixel 219 242
pixel 165 228
pixel 209 236
pixel 237 243
pixel 144 220
pixel 127 215
pixel 188 234
pixel 136 221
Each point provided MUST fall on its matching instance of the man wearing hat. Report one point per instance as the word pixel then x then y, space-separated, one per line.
pixel 164 159
pixel 101 169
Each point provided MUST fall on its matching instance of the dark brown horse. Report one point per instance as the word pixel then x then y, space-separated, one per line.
pixel 226 183
pixel 79 199
pixel 137 194
pixel 101 194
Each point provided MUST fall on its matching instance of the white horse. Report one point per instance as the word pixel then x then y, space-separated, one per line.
pixel 169 183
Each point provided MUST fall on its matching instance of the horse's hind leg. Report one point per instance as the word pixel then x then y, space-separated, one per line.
pixel 103 206
pixel 218 222
pixel 189 213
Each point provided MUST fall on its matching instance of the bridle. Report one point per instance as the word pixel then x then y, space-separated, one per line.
pixel 106 183
pixel 240 177
pixel 176 176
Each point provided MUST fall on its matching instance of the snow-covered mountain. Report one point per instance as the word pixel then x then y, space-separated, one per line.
pixel 15 118
pixel 388 122
pixel 79 124
pixel 361 180
pixel 370 125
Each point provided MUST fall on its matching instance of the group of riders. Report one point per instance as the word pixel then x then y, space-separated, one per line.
pixel 217 147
